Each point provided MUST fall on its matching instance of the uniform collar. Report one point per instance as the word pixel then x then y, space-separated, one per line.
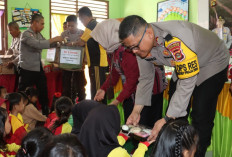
pixel 159 33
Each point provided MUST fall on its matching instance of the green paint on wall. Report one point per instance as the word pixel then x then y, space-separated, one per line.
pixel 174 16
pixel 115 9
pixel 43 5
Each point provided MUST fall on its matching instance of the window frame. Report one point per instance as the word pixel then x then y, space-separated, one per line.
pixel 50 1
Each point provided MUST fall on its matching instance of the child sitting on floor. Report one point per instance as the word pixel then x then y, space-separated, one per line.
pixel 63 108
pixel 5 129
pixel 101 137
pixel 176 138
pixel 65 145
pixel 18 130
pixel 31 115
pixel 52 113
pixel 34 143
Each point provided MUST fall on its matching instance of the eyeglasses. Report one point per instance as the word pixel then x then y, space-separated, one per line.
pixel 137 46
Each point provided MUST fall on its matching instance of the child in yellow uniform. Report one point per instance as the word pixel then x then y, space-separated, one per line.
pixel 99 134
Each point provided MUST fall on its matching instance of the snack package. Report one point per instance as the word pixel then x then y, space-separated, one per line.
pixel 140 133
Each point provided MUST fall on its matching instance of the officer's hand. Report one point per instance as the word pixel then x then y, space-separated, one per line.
pixel 56 39
pixel 155 131
pixel 70 44
pixel 133 119
pixel 10 65
pixel 99 95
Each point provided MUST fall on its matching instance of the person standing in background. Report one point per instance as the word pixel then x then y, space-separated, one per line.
pixel 223 32
pixel 95 54
pixel 13 28
pixel 73 81
pixel 31 70
pixel 65 26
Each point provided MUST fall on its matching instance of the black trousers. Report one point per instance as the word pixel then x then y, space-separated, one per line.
pixel 73 83
pixel 149 114
pixel 97 77
pixel 204 103
pixel 30 78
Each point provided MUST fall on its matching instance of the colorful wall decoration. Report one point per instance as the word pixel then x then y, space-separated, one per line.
pixel 23 16
pixel 172 10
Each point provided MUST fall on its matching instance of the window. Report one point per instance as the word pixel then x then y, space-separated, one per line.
pixel 99 9
pixel 60 9
pixel 3 29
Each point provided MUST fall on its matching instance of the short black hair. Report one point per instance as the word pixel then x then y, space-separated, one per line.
pixel 14 99
pixel 85 11
pixel 31 91
pixel 13 24
pixel 71 18
pixel 24 96
pixel 65 23
pixel 36 17
pixel 131 25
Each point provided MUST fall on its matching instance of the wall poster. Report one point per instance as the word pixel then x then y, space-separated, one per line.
pixel 23 16
pixel 173 10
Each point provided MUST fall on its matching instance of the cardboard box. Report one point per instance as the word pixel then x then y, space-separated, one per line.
pixel 68 58
pixel 4 60
pixel 53 55
pixel 71 58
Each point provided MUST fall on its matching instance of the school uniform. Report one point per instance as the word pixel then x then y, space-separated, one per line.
pixel 13 140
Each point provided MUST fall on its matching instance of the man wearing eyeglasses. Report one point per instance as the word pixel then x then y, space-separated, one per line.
pixel 200 59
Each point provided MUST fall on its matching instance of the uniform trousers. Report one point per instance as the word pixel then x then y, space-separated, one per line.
pixel 30 78
pixel 204 104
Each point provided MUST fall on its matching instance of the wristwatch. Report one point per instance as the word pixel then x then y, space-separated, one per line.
pixel 166 118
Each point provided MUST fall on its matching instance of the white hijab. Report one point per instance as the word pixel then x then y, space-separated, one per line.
pixel 106 34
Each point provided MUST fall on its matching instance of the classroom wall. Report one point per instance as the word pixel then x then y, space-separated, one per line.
pixel 148 9
pixel 115 8
pixel 115 11
pixel 34 4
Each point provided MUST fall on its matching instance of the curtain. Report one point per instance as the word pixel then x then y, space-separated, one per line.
pixel 57 21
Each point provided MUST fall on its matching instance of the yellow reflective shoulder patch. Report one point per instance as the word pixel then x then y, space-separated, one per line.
pixel 186 61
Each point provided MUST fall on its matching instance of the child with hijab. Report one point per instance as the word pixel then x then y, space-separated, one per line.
pixel 80 111
pixel 99 134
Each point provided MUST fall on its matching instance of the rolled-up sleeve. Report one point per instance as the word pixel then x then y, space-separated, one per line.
pixel 146 82
pixel 180 99
pixel 30 40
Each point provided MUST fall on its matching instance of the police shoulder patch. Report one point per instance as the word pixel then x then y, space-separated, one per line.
pixel 176 51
